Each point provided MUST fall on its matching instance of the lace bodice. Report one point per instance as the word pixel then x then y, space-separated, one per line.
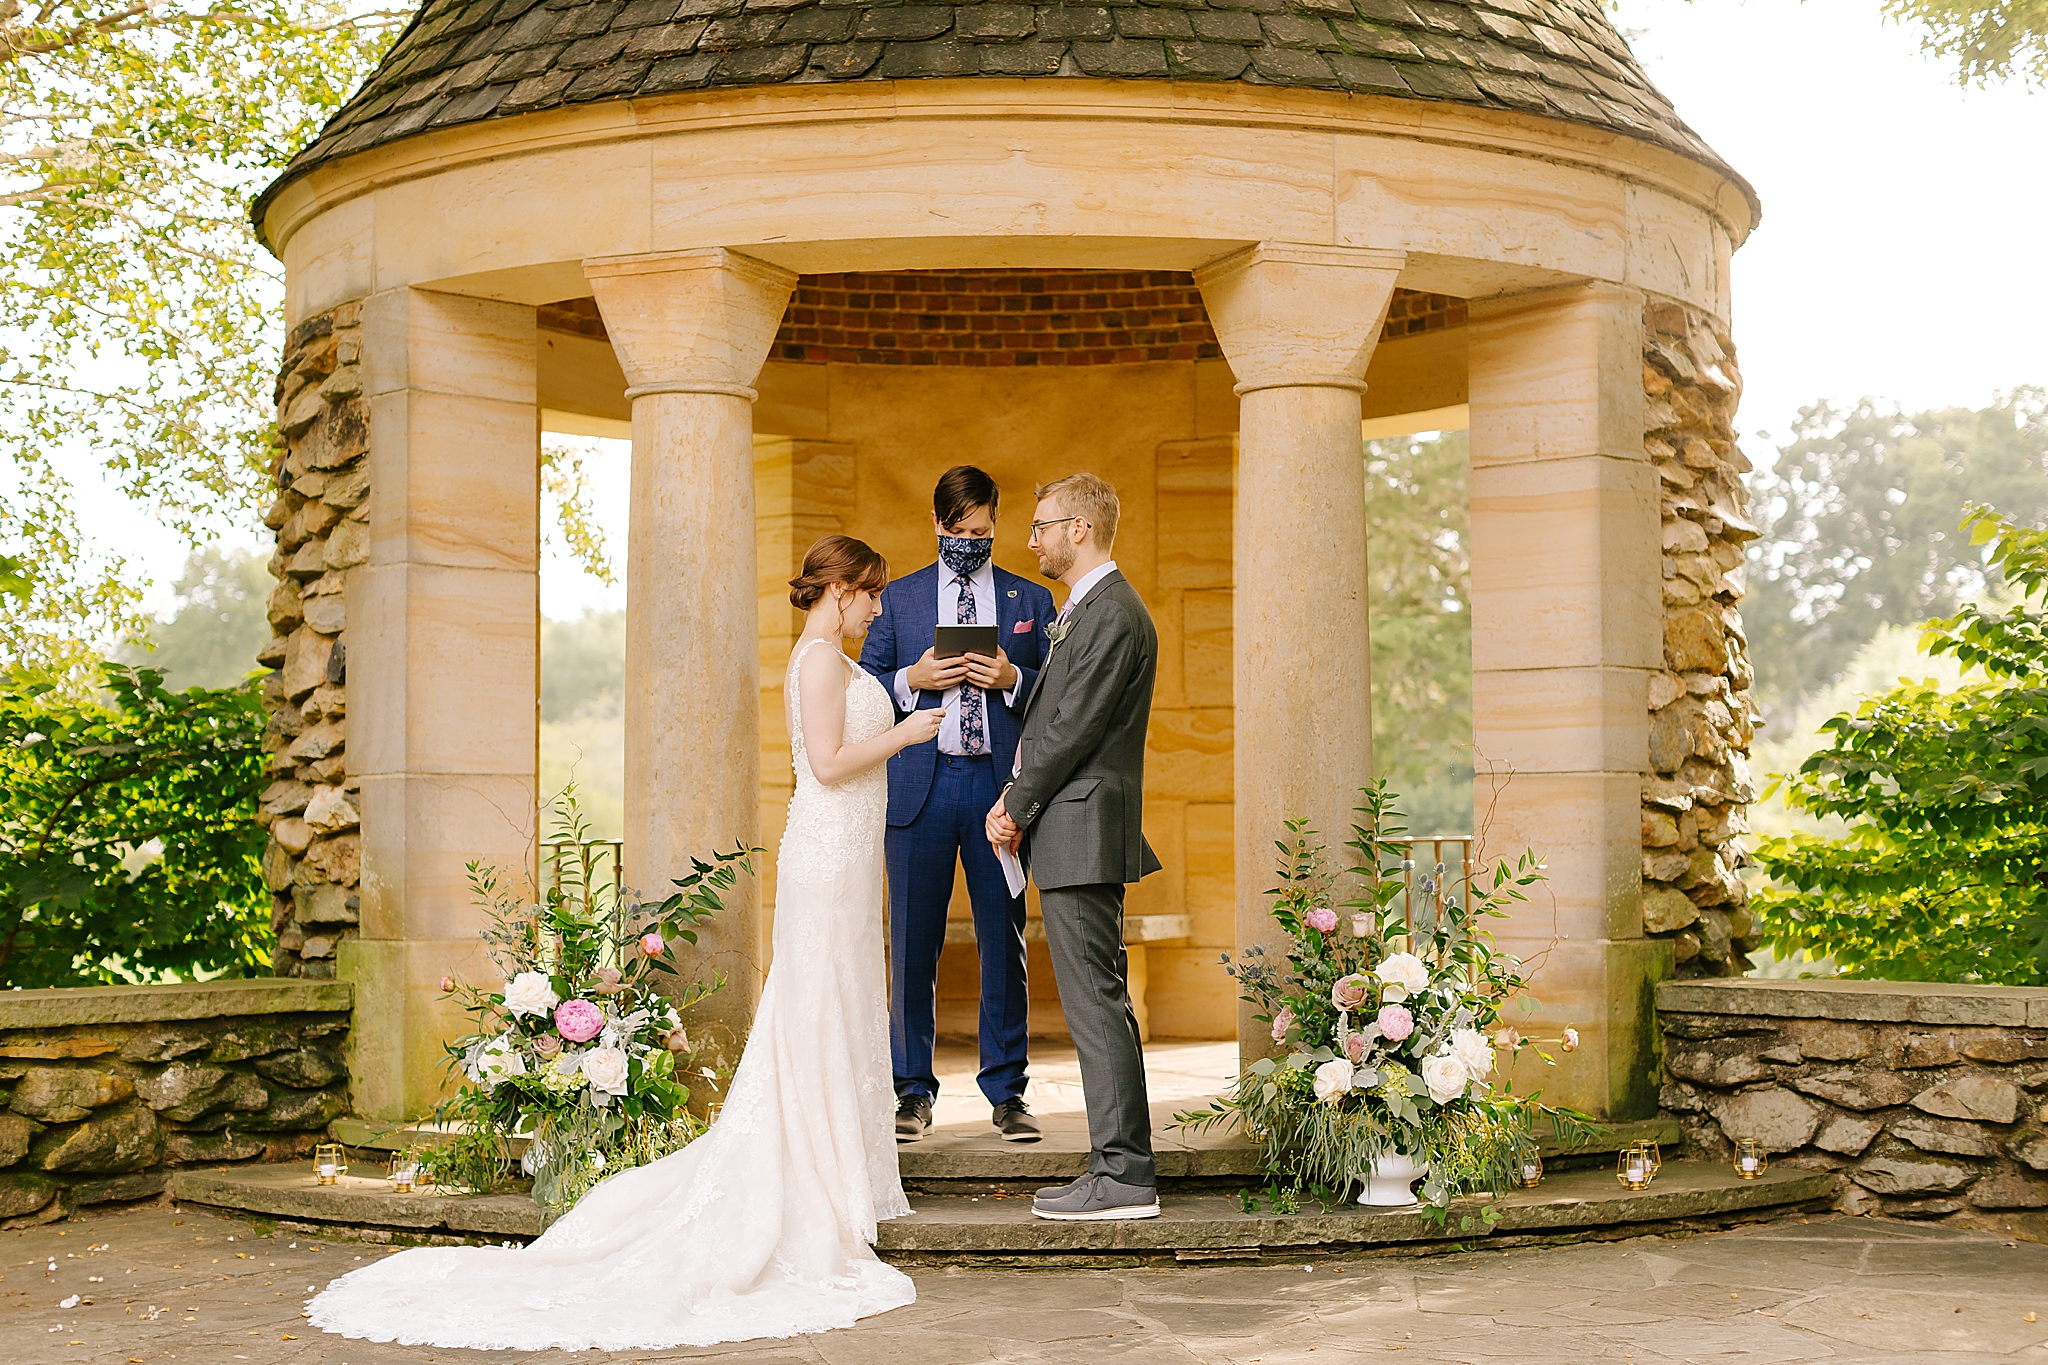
pixel 869 714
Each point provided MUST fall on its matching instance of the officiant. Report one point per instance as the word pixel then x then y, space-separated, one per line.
pixel 940 792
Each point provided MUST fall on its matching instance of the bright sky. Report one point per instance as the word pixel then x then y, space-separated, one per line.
pixel 1900 253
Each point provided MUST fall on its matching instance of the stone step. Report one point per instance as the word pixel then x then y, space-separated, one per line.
pixel 973 1160
pixel 1193 1226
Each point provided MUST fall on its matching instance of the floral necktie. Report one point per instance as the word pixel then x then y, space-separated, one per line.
pixel 973 727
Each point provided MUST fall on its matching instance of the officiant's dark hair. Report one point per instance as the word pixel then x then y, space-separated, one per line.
pixel 961 489
pixel 838 559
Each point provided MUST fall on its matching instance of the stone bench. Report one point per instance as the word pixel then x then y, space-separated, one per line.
pixel 1139 930
pixel 105 1089
pixel 1930 1100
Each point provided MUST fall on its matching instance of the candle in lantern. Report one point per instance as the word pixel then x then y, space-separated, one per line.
pixel 329 1165
pixel 1751 1161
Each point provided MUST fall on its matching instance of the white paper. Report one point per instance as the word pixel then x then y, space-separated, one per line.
pixel 1013 869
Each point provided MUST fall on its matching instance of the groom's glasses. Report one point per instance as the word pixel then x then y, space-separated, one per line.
pixel 1038 527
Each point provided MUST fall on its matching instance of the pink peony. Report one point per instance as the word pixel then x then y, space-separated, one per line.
pixel 1395 1023
pixel 1282 1022
pixel 578 1020
pixel 1355 1045
pixel 447 984
pixel 1351 991
pixel 653 944
pixel 1570 1041
pixel 1322 919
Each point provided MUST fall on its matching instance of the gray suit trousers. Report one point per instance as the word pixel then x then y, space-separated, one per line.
pixel 1084 929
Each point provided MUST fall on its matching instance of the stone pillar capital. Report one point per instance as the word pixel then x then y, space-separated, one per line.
pixel 1293 315
pixel 690 321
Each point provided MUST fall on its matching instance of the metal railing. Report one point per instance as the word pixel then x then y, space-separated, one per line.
pixel 1443 872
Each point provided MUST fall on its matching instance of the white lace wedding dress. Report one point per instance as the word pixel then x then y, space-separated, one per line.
pixel 762 1227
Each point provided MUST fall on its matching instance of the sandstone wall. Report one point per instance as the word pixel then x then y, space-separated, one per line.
pixel 104 1089
pixel 321 515
pixel 1696 795
pixel 1930 1100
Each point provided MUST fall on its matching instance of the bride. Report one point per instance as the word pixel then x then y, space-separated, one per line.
pixel 762 1227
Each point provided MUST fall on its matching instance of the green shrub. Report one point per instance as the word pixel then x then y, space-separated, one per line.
pixel 1943 873
pixel 129 847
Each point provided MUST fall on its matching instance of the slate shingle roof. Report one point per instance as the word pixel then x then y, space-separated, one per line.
pixel 462 61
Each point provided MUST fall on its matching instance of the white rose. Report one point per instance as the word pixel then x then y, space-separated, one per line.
pixel 1333 1080
pixel 530 993
pixel 605 1069
pixel 1401 976
pixel 1470 1047
pixel 1445 1076
pixel 496 1061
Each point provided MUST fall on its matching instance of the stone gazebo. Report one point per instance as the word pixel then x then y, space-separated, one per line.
pixel 809 254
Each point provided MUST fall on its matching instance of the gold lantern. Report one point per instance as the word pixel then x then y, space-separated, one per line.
pixel 1636 1166
pixel 405 1171
pixel 1751 1160
pixel 1529 1170
pixel 1650 1150
pixel 330 1164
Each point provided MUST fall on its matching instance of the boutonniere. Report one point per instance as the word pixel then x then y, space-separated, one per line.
pixel 1057 632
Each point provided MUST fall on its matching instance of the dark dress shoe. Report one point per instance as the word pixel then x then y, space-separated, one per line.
pixel 1013 1120
pixel 913 1117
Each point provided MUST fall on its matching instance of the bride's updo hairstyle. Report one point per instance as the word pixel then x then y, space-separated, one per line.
pixel 852 564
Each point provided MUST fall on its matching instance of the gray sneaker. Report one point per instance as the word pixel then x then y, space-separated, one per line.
pixel 1098 1199
pixel 1055 1191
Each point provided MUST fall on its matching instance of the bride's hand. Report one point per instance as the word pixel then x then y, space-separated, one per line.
pixel 919 727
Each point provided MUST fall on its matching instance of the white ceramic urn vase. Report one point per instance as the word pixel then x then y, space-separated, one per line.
pixel 1388 1183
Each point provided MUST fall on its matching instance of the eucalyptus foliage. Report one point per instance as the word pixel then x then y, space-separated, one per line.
pixel 129 847
pixel 1942 873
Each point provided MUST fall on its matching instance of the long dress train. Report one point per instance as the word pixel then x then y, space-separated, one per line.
pixel 764 1226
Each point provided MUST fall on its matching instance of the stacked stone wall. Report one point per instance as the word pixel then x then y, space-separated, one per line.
pixel 321 516
pixel 103 1091
pixel 1931 1101
pixel 1695 800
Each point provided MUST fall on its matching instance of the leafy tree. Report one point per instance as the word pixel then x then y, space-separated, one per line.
pixel 220 622
pixel 134 295
pixel 1988 40
pixel 129 847
pixel 1418 552
pixel 1943 873
pixel 1858 530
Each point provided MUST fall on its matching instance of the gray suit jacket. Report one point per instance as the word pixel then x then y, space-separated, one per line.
pixel 1079 795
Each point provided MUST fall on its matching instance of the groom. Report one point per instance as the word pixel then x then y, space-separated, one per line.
pixel 939 792
pixel 1075 802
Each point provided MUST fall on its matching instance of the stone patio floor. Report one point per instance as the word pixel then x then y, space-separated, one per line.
pixel 164 1284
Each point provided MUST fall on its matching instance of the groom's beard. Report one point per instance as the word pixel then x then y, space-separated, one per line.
pixel 1055 559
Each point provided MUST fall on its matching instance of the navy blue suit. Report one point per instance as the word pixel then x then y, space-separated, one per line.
pixel 937 805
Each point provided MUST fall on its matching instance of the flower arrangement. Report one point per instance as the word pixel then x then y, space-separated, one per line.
pixel 582 1050
pixel 1390 1030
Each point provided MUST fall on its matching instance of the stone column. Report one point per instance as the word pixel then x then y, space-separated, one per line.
pixel 1566 628
pixel 443 667
pixel 1298 325
pixel 692 329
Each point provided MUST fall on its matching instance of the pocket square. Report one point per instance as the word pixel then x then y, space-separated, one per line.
pixel 1022 627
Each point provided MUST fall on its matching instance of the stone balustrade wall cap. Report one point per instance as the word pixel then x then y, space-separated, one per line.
pixel 515 58
pixel 1905 1002
pixel 65 1006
